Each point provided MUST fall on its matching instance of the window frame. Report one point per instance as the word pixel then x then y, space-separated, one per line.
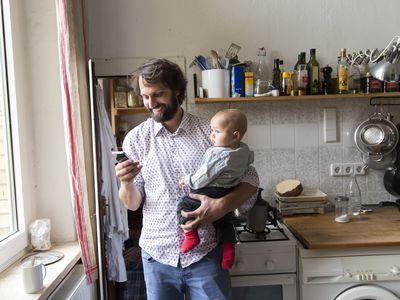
pixel 14 246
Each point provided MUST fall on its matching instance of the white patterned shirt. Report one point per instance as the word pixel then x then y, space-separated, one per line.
pixel 166 157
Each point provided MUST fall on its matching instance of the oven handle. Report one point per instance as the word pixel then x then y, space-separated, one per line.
pixel 321 279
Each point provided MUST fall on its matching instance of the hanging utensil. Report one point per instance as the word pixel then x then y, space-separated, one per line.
pixel 377 136
pixel 215 60
pixel 232 51
pixel 201 62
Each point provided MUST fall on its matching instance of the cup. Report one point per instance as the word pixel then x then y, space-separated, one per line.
pixel 33 273
pixel 216 83
pixel 341 209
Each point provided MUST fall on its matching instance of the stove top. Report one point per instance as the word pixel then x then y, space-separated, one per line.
pixel 271 233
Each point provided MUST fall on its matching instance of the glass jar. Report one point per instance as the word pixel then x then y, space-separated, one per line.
pixel 341 209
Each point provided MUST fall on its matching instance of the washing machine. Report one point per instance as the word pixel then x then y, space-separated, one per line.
pixel 350 275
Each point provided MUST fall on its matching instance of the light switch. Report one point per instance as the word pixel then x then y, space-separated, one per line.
pixel 330 134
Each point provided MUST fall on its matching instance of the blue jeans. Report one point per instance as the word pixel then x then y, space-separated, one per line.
pixel 204 279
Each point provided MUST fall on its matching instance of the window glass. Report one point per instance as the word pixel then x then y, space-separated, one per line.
pixel 8 224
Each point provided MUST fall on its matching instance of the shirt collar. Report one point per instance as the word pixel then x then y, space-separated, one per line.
pixel 185 125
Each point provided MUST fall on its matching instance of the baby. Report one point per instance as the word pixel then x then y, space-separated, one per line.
pixel 220 171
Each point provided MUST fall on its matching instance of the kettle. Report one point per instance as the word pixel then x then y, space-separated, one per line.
pixel 258 214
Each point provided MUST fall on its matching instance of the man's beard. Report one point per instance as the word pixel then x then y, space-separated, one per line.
pixel 168 112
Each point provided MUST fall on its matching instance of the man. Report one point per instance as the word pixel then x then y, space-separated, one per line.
pixel 162 149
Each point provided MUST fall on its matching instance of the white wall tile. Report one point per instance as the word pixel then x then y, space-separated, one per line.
pixel 282 136
pixel 258 137
pixel 306 135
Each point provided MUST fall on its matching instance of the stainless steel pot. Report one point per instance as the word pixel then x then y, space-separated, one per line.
pixel 379 162
pixel 258 214
pixel 377 136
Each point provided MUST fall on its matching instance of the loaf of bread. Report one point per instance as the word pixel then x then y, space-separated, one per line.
pixel 289 188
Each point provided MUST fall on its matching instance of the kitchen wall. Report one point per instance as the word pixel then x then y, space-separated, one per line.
pixel 45 185
pixel 286 136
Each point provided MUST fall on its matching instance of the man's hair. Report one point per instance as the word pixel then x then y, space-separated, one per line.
pixel 161 70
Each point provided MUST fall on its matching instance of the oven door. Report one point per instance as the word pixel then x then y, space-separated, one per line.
pixel 259 287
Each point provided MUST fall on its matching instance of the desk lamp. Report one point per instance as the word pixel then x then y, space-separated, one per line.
pixel 388 68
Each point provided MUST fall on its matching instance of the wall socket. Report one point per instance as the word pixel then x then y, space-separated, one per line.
pixel 347 169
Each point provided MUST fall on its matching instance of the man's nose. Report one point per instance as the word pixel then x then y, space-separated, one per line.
pixel 152 102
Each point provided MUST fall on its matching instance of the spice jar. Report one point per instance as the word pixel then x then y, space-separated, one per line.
pixel 341 209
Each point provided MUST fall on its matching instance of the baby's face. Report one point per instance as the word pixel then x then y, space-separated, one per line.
pixel 221 135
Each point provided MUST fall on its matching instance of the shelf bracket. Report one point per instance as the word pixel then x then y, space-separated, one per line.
pixel 378 100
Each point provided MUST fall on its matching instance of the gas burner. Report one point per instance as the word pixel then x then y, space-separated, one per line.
pixel 271 233
pixel 258 233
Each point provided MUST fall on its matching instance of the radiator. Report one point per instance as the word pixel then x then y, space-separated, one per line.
pixel 74 287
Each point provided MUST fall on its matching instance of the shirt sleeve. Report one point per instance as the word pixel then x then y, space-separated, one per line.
pixel 128 146
pixel 251 177
pixel 211 168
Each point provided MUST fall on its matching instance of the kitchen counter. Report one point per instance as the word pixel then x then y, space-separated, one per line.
pixel 379 228
pixel 11 279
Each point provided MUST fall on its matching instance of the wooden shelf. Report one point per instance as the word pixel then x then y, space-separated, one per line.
pixel 131 111
pixel 294 98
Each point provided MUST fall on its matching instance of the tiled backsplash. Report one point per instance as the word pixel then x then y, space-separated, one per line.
pixel 287 139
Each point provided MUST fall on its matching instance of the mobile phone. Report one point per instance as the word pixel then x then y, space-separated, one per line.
pixel 120 156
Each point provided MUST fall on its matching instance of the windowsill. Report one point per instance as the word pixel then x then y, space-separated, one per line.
pixel 11 278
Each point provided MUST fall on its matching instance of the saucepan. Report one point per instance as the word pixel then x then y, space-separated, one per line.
pixel 391 203
pixel 377 136
pixel 391 178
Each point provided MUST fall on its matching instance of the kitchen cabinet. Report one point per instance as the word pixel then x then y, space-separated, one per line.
pixel 119 96
pixel 295 98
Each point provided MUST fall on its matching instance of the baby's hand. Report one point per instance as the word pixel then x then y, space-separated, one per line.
pixel 182 182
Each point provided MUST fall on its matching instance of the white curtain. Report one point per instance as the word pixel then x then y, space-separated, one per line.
pixel 76 111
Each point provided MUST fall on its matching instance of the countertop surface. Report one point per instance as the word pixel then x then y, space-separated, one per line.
pixel 378 228
pixel 11 279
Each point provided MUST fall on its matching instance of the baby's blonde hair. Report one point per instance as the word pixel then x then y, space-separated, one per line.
pixel 235 119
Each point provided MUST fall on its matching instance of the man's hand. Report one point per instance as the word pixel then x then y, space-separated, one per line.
pixel 127 170
pixel 209 211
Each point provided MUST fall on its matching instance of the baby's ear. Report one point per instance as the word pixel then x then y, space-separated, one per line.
pixel 236 135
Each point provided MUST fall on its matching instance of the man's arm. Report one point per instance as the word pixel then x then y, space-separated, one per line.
pixel 129 194
pixel 211 209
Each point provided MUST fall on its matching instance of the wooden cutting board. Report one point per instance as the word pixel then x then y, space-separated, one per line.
pixel 381 227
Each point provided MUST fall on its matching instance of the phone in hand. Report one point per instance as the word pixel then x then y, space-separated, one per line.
pixel 120 156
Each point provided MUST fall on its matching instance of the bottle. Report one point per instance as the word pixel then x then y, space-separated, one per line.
pixel 313 73
pixel 294 91
pixel 248 84
pixel 302 74
pixel 354 79
pixel 281 67
pixel 365 82
pixel 276 75
pixel 354 194
pixel 342 73
pixel 260 73
pixel 285 87
pixel 327 83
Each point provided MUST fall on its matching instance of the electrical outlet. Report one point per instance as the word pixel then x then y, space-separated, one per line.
pixel 336 169
pixel 348 169
pixel 359 169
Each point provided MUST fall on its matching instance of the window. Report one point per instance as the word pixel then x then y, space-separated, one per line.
pixel 13 236
pixel 8 224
